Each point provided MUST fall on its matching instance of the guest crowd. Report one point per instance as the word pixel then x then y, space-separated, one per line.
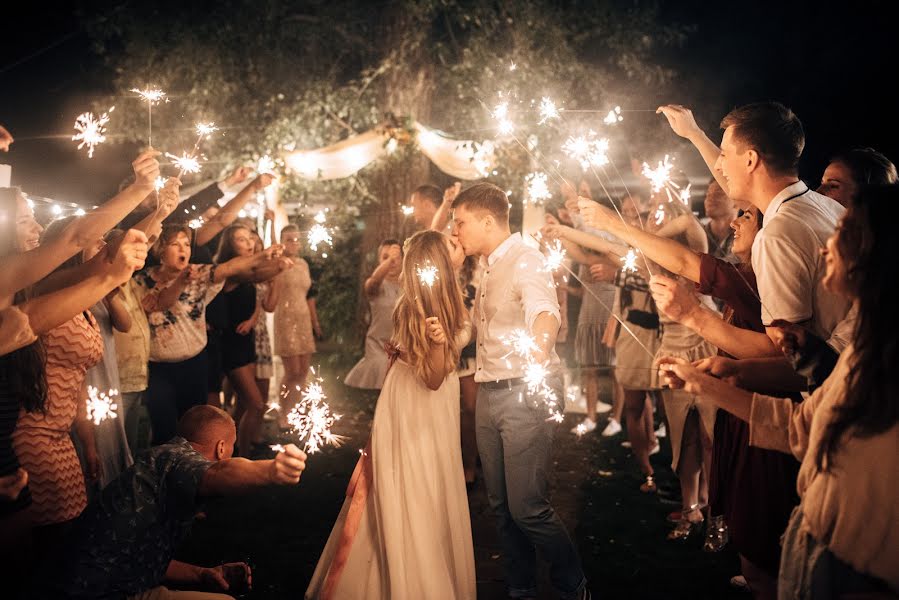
pixel 758 341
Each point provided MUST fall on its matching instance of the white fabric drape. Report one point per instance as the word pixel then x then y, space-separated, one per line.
pixel 463 159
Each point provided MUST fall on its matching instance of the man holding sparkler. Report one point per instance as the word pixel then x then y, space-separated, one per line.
pixel 516 300
pixel 123 543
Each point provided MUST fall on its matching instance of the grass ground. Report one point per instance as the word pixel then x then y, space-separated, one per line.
pixel 620 532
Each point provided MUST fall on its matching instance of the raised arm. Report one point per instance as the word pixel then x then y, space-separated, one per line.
pixel 584 239
pixel 669 254
pixel 20 270
pixel 684 124
pixel 230 211
pixel 442 215
pixel 53 309
pixel 254 268
pixel 372 285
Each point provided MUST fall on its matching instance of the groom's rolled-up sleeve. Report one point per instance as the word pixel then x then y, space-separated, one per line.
pixel 538 291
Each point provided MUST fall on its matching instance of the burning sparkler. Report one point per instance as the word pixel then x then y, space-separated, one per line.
pixel 629 261
pixel 91 130
pixel 151 96
pixel 186 163
pixel 100 405
pixel 614 116
pixel 428 275
pixel 685 194
pixel 537 187
pixel 312 418
pixel 548 110
pixel 660 214
pixel 266 164
pixel 587 150
pixel 501 114
pixel 317 235
pixel 554 256
pixel 320 217
pixel 660 176
pixel 407 210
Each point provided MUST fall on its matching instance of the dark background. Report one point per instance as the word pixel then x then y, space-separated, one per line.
pixel 832 64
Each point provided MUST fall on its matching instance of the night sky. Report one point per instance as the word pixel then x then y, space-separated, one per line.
pixel 832 65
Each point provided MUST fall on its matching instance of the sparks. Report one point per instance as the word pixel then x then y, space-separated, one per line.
pixel 614 116
pixel 185 163
pixel 91 130
pixel 501 114
pixel 537 187
pixel 319 234
pixel 196 223
pixel 278 448
pixel 684 195
pixel 587 150
pixel 554 257
pixel 521 343
pixel 407 210
pixel 512 66
pixel 660 214
pixel 320 217
pixel 428 275
pixel 100 405
pixel 159 183
pixel 205 129
pixel 312 419
pixel 266 164
pixel 660 176
pixel 630 261
pixel 548 110
pixel 151 95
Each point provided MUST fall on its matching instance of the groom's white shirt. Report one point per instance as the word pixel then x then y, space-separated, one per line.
pixel 513 290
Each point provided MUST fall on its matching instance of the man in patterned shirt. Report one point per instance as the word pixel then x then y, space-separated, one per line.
pixel 123 543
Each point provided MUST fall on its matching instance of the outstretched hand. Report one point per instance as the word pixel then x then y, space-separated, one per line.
pixel 288 465
pixel 146 169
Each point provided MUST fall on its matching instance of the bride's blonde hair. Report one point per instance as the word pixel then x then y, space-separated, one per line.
pixel 426 250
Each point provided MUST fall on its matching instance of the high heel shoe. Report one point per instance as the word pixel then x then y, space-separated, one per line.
pixel 685 529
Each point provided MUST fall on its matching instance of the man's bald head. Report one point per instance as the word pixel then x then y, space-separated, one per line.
pixel 205 426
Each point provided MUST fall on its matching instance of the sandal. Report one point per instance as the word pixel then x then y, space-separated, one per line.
pixel 686 528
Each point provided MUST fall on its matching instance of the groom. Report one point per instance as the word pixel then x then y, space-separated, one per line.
pixel 514 436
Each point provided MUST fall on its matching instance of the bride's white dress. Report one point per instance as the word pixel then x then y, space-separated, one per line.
pixel 404 531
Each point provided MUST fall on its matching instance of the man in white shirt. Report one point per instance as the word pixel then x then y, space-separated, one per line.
pixel 514 435
pixel 758 163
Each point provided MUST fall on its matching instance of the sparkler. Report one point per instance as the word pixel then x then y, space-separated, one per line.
pixel 587 150
pixel 312 418
pixel 100 405
pixel 660 176
pixel 524 345
pixel 537 187
pixel 278 448
pixel 630 261
pixel 266 164
pixel 407 210
pixel 548 110
pixel 554 257
pixel 91 130
pixel 151 96
pixel 428 275
pixel 320 217
pixel 501 114
pixel 319 234
pixel 684 195
pixel 660 214
pixel 186 163
pixel 159 183
pixel 614 117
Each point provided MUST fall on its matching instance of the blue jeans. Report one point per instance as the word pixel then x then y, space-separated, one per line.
pixel 514 441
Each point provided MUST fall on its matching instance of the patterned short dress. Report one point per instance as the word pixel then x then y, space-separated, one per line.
pixel 41 440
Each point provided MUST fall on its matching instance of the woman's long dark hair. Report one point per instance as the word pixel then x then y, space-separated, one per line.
pixel 869 246
pixel 226 249
pixel 22 369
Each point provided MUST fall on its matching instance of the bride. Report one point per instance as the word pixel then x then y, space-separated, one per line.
pixel 404 531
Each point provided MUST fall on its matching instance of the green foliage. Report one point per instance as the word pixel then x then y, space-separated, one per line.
pixel 278 75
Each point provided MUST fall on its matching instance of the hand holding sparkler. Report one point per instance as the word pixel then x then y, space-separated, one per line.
pixel 681 120
pixel 146 169
pixel 602 272
pixel 435 331
pixel 288 465
pixel 237 176
pixel 262 181
pixel 450 193
pixel 673 298
pixel 595 214
pixel 127 254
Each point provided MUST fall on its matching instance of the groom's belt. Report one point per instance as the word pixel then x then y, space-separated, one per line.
pixel 508 384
